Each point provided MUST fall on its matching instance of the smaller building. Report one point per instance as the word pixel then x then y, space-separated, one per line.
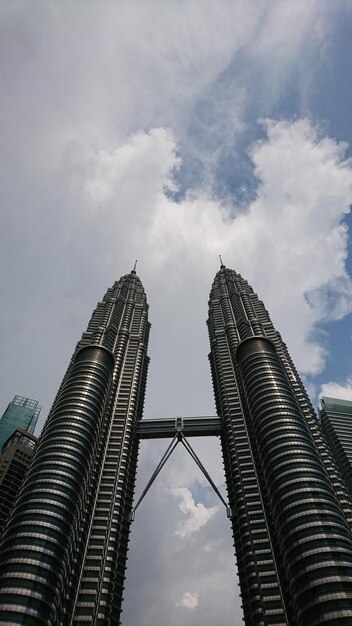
pixel 15 459
pixel 21 413
pixel 336 419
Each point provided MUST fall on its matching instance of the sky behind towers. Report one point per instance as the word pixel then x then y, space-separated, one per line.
pixel 171 132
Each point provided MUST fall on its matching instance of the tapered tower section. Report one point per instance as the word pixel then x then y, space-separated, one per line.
pixel 291 511
pixel 64 548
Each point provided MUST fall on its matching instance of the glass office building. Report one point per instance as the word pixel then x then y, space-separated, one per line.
pixel 20 413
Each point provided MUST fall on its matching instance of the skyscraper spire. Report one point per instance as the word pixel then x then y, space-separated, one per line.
pixel 134 267
pixel 222 266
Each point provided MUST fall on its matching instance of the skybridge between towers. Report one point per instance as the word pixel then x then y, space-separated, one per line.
pixel 166 427
pixel 178 429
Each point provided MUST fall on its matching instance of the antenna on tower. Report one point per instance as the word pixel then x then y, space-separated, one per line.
pixel 222 266
pixel 134 267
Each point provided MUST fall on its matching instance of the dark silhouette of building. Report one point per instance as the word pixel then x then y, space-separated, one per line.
pixel 16 455
pixel 16 449
pixel 64 548
pixel 336 419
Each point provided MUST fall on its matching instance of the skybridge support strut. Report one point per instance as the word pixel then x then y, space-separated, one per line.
pixel 179 437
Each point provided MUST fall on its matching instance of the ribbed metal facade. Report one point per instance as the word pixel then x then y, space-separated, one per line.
pixel 291 510
pixel 64 549
pixel 336 419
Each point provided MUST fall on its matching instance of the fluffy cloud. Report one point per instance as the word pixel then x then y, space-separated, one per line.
pixel 296 229
pixel 197 515
pixel 336 390
pixel 139 65
pixel 290 242
pixel 189 600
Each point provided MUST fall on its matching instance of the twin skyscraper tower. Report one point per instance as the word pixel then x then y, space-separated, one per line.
pixel 63 551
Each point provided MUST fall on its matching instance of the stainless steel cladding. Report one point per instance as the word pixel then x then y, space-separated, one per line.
pixel 291 509
pixel 314 539
pixel 63 552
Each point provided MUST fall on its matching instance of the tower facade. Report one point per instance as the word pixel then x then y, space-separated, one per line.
pixel 336 419
pixel 20 413
pixel 291 512
pixel 64 548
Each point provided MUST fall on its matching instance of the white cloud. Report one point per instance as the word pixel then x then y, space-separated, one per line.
pixel 138 65
pixel 130 65
pixel 342 391
pixel 197 515
pixel 102 176
pixel 295 229
pixel 189 600
pixel 211 546
pixel 290 242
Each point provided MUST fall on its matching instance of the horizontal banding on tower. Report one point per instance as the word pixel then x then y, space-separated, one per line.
pixel 313 536
pixel 43 528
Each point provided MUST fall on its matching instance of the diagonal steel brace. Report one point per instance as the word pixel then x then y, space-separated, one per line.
pixel 179 437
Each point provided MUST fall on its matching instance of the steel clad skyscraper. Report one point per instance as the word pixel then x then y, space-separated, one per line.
pixel 291 511
pixel 64 549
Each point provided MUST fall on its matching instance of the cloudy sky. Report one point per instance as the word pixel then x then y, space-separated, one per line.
pixel 172 131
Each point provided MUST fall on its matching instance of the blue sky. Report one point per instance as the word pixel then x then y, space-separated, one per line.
pixel 171 132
